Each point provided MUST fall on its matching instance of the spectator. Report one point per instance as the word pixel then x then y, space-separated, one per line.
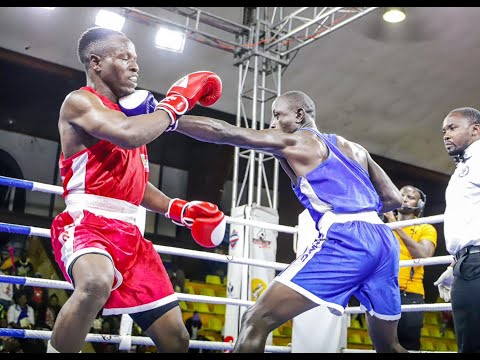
pixel 3 313
pixel 38 296
pixel 179 280
pixel 48 314
pixel 6 261
pixel 21 315
pixel 193 325
pixel 417 241
pixel 6 292
pixel 23 265
pixel 11 345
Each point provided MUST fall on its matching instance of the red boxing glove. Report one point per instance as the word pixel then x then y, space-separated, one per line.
pixel 205 220
pixel 204 87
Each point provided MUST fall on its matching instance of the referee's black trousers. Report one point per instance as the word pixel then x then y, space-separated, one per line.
pixel 465 298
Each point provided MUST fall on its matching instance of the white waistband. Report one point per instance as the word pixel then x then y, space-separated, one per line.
pixel 102 206
pixel 330 218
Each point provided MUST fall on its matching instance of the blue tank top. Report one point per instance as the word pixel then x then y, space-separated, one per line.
pixel 338 184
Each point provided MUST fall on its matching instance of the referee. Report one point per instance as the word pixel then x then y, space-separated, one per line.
pixel 461 280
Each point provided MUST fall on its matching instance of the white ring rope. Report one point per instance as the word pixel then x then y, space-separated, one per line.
pixel 345 350
pixel 57 284
pixel 136 340
pixel 434 219
pixel 219 257
pixel 246 261
pixel 436 260
pixel 58 190
pixel 246 222
pixel 407 308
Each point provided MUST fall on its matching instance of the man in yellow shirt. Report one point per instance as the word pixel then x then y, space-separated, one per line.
pixel 418 241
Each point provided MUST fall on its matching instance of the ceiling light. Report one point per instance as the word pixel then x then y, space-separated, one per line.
pixel 394 15
pixel 109 20
pixel 169 39
pixel 48 8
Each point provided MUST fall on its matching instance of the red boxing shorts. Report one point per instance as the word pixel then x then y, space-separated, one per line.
pixel 95 224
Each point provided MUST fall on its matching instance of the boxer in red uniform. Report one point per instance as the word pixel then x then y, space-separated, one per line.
pixel 104 128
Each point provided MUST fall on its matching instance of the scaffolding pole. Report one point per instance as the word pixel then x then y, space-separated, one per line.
pixel 263 47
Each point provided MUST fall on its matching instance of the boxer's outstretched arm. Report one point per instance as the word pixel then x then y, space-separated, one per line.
pixel 220 132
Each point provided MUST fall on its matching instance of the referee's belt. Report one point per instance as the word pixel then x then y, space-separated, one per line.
pixel 471 249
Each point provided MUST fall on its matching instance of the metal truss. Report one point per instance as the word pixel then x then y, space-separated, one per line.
pixel 262 46
pixel 308 24
pixel 201 26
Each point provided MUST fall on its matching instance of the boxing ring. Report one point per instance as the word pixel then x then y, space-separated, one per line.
pixel 125 340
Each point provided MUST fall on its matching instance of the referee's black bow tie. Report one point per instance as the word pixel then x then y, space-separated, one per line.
pixel 459 158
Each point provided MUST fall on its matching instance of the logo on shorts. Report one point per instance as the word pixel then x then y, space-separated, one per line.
pixel 317 244
pixel 233 238
pixel 66 234
pixel 144 158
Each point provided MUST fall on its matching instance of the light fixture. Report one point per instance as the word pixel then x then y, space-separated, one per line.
pixel 394 15
pixel 169 39
pixel 48 8
pixel 110 20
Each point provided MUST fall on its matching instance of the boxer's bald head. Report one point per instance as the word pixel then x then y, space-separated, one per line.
pixel 96 41
pixel 291 111
pixel 300 100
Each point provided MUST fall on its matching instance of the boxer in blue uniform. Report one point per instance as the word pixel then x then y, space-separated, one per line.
pixel 343 189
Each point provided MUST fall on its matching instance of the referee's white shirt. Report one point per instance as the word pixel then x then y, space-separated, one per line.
pixel 461 222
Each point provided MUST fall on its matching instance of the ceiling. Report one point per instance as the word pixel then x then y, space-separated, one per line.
pixel 387 88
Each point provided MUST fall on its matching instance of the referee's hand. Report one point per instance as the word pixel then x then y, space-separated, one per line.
pixel 444 284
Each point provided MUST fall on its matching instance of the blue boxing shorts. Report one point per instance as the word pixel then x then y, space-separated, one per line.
pixel 351 257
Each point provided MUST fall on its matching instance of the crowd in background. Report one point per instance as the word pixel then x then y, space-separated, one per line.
pixel 36 308
pixel 33 307
pixel 24 307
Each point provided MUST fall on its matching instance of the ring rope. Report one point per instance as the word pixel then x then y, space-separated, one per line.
pixel 436 260
pixel 434 219
pixel 219 257
pixel 58 284
pixel 34 231
pixel 345 350
pixel 31 185
pixel 58 190
pixel 30 281
pixel 408 308
pixel 136 340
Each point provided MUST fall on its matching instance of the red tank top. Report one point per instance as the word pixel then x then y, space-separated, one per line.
pixel 105 169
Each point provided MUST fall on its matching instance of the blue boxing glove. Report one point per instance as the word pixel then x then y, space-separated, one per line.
pixel 139 103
